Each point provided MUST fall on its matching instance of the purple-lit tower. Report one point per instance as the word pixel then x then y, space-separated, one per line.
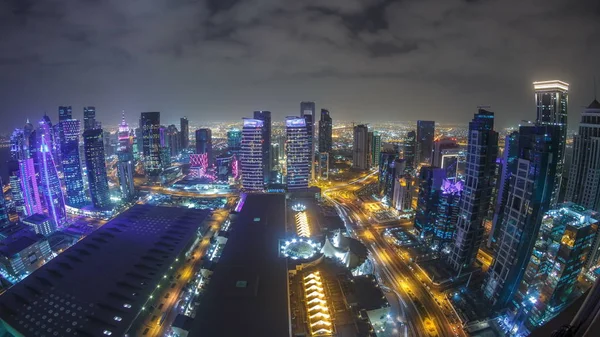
pixel 29 187
pixel 49 181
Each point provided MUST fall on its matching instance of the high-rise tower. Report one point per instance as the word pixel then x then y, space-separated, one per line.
pixel 265 116
pixel 70 131
pixel 93 144
pixel 298 153
pixel 584 176
pixel 425 135
pixel 125 163
pixel 204 143
pixel 529 198
pixel 474 203
pixel 360 148
pixel 185 132
pixel 325 132
pixel 234 141
pixel 89 118
pixel 252 155
pixel 49 181
pixel 551 100
pixel 150 127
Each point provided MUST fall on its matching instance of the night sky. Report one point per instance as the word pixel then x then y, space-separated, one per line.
pixel 365 60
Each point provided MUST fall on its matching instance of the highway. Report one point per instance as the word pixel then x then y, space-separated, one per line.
pixel 424 311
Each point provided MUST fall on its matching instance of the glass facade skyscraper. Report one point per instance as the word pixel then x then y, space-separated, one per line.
pixel 234 141
pixel 410 151
pixel 71 163
pixel 265 116
pixel 551 100
pixel 325 132
pixel 298 153
pixel 425 135
pixel 93 144
pixel 150 127
pixel 204 144
pixel 375 148
pixel 360 148
pixel 482 150
pixel 185 132
pixel 49 182
pixel 252 155
pixel 529 198
pixel 125 163
pixel 29 187
pixel 430 189
pixel 89 118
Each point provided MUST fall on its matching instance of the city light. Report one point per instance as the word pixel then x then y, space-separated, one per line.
pixel 319 318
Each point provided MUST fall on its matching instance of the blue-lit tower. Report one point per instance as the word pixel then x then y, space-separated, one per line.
pixel 71 162
pixel 49 181
pixel 298 153
pixel 529 198
pixel 93 143
pixel 252 155
pixel 430 189
pixel 234 141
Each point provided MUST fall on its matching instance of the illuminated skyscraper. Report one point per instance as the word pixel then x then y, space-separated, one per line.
pixel 308 112
pixel 234 141
pixel 19 145
pixel 174 140
pixel 425 135
pixel 185 132
pixel 410 151
pixel 49 181
pixel 93 144
pixel 16 191
pixel 508 164
pixel 89 118
pixel 64 113
pixel 265 116
pixel 479 184
pixel 446 154
pixel 325 132
pixel 551 100
pixel 150 127
pixel 584 176
pixel 360 148
pixel 556 261
pixel 252 155
pixel 125 163
pixel 71 163
pixel 204 143
pixel 3 210
pixel 430 185
pixel 298 153
pixel 446 215
pixel 29 186
pixel 529 198
pixel 375 150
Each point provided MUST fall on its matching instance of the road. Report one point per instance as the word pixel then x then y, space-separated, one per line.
pixel 173 290
pixel 418 305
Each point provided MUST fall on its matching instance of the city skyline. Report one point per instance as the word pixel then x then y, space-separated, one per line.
pixel 219 50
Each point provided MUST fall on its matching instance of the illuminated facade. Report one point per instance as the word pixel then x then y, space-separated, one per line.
pixel 14 180
pixel 551 100
pixel 479 185
pixel 430 184
pixel 125 163
pixel 49 181
pixel 318 315
pixel 265 117
pixel 204 143
pixel 70 130
pixel 3 210
pixel 150 132
pixel 251 155
pixel 529 198
pixel 557 259
pixel 298 153
pixel 446 153
pixel 96 167
pixel 29 187
pixel 409 151
pixel 446 215
pixel 584 174
pixel 375 152
pixel 234 141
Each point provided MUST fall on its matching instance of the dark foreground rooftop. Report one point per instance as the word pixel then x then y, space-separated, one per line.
pixel 99 286
pixel 247 294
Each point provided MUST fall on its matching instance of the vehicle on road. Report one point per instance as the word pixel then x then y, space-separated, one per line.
pixel 430 327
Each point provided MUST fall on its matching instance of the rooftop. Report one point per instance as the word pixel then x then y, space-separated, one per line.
pixel 36 218
pixel 367 294
pixel 19 240
pixel 102 282
pixel 249 284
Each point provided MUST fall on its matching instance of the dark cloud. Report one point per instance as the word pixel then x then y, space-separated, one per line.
pixel 364 59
